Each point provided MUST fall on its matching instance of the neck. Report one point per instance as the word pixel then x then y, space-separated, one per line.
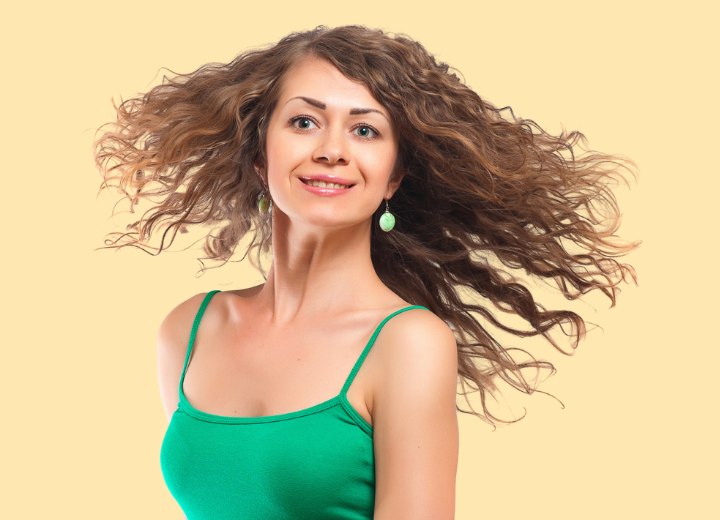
pixel 318 271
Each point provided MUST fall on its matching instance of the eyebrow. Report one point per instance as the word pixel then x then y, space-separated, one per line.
pixel 323 106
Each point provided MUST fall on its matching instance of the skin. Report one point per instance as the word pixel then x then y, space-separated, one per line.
pixel 290 343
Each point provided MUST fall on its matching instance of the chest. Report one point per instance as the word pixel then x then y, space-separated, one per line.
pixel 252 371
pixel 312 466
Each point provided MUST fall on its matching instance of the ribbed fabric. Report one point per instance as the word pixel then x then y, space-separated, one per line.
pixel 314 464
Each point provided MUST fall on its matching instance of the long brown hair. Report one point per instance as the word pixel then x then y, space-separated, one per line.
pixel 482 189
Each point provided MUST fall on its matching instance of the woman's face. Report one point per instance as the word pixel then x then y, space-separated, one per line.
pixel 325 126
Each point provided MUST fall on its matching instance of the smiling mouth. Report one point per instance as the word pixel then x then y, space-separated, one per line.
pixel 323 184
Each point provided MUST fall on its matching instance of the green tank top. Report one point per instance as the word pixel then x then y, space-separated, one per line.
pixel 314 464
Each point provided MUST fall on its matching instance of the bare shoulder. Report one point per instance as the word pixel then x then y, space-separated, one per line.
pixel 417 337
pixel 415 427
pixel 174 331
pixel 173 337
pixel 175 327
pixel 171 344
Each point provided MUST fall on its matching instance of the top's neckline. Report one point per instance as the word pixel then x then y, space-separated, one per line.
pixel 199 414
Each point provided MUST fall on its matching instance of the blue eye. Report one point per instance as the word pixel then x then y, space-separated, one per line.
pixel 366 132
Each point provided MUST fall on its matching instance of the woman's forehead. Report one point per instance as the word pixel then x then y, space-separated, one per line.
pixel 317 79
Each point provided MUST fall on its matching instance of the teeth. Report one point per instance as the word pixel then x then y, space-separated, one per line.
pixel 323 184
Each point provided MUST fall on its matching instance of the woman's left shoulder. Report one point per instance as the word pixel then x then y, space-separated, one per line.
pixel 417 321
pixel 419 332
pixel 415 424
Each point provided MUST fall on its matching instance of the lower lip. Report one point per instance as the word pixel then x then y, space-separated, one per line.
pixel 325 192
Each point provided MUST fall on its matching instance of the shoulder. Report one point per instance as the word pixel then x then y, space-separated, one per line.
pixel 415 426
pixel 175 327
pixel 173 336
pixel 174 331
pixel 417 339
pixel 171 346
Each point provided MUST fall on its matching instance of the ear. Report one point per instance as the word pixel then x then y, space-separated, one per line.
pixel 258 166
pixel 394 183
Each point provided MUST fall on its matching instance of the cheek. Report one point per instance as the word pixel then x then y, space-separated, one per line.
pixel 272 145
pixel 284 156
pixel 381 162
pixel 283 151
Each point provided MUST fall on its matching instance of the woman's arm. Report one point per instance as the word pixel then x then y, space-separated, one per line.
pixel 415 427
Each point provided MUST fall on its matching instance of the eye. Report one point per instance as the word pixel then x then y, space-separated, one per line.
pixel 302 122
pixel 366 131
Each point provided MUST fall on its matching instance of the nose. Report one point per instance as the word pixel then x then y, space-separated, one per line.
pixel 332 148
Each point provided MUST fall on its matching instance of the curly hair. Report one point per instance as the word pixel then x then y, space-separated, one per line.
pixel 482 189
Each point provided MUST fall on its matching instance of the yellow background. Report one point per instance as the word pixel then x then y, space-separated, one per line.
pixel 81 414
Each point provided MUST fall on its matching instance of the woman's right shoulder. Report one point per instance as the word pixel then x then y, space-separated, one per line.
pixel 174 330
pixel 171 346
pixel 173 338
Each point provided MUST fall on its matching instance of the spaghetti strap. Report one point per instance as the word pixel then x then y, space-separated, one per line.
pixel 369 345
pixel 193 332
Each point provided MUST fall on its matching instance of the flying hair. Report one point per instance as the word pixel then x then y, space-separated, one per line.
pixel 484 193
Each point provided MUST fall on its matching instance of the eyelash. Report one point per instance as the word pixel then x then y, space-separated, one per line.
pixel 293 120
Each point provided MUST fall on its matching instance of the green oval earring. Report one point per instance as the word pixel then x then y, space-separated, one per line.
pixel 263 203
pixel 387 219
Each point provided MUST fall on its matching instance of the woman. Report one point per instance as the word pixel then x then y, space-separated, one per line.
pixel 384 187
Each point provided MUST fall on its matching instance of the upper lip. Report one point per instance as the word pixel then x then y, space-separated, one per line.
pixel 327 178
